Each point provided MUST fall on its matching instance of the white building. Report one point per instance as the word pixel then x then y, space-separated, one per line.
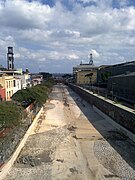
pixel 17 84
pixel 25 80
pixel 36 79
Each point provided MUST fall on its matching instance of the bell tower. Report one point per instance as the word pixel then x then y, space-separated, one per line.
pixel 10 58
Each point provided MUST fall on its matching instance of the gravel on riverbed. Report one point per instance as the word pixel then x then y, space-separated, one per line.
pixel 118 158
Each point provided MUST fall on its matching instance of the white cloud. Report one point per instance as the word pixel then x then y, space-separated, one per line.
pixel 94 53
pixel 24 15
pixel 73 56
pixel 43 34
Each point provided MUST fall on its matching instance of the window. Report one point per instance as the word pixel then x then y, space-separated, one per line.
pixel 14 83
pixel 9 84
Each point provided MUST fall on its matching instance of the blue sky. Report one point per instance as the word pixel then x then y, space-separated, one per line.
pixel 55 35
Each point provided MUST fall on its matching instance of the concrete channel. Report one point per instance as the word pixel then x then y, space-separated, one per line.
pixel 72 141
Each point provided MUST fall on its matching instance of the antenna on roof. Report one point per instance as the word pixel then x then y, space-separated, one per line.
pixel 81 62
pixel 91 59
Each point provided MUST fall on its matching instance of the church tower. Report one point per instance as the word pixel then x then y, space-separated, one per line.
pixel 10 58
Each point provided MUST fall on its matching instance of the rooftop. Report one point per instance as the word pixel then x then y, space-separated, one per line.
pixel 118 65
pixel 124 75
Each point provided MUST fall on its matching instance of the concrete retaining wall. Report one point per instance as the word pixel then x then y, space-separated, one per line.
pixel 6 167
pixel 119 127
pixel 120 114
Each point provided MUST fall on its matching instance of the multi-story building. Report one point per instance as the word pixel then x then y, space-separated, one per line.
pixel 24 77
pixel 7 82
pixel 20 77
pixel 17 84
pixel 25 80
pixel 123 86
pixel 12 80
pixel 85 74
pixel 9 86
pixel 118 80
pixel 36 79
pixel 104 72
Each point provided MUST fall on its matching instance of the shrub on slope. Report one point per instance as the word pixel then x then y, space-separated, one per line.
pixel 10 114
pixel 29 95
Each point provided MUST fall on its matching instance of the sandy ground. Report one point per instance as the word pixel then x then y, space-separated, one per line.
pixel 73 142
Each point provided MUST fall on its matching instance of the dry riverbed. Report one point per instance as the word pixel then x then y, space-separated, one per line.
pixel 73 142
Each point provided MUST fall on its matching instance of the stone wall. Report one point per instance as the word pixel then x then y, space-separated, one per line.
pixel 120 115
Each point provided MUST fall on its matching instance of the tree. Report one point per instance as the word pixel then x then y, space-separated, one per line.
pixel 66 76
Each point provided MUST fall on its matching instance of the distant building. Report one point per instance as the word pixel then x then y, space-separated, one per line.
pixel 7 82
pixel 123 86
pixel 36 79
pixel 104 72
pixel 85 74
pixel 19 74
pixel 2 68
pixel 25 80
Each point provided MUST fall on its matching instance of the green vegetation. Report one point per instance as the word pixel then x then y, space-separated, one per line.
pixel 105 76
pixel 10 114
pixel 46 76
pixel 49 83
pixel 37 94
pixel 66 76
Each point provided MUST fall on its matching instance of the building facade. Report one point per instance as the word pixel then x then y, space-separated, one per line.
pixel 123 87
pixel 85 74
pixel 86 77
pixel 7 82
pixel 36 79
pixel 104 72
pixel 17 84
pixel 2 94
pixel 25 80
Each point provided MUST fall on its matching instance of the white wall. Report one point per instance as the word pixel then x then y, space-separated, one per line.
pixel 17 85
